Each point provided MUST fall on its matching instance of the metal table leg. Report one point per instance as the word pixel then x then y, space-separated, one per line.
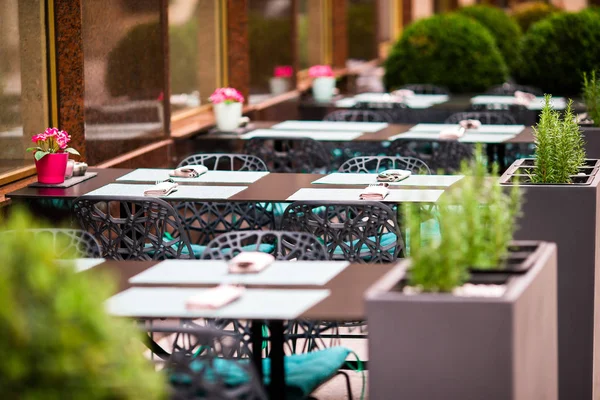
pixel 277 386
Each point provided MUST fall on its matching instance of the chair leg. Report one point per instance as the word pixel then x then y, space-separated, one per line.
pixel 348 385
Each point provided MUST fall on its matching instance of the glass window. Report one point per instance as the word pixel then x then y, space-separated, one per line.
pixel 23 83
pixel 194 52
pixel 124 76
pixel 270 31
pixel 362 29
pixel 311 33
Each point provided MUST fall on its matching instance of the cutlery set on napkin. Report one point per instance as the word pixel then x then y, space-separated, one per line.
pixel 459 131
pixel 250 262
pixel 379 191
pixel 168 186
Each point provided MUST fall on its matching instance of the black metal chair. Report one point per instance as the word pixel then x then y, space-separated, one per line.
pixel 376 164
pixel 133 228
pixel 485 117
pixel 225 162
pixel 204 221
pixel 509 89
pixel 200 362
pixel 68 243
pixel 426 88
pixel 302 155
pixel 282 245
pixel 357 116
pixel 356 231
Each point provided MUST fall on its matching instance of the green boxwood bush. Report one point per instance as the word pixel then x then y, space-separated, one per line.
pixel 451 50
pixel 557 50
pixel 504 29
pixel 528 13
pixel 56 340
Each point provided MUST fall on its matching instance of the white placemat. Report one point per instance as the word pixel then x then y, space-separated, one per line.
pixel 559 103
pixel 332 126
pixel 330 136
pixel 468 137
pixel 178 272
pixel 395 196
pixel 82 264
pixel 436 128
pixel 339 178
pixel 154 174
pixel 183 192
pixel 346 103
pixel 416 101
pixel 165 302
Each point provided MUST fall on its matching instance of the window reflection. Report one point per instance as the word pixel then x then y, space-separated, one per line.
pixel 124 76
pixel 194 52
pixel 23 83
pixel 362 25
pixel 313 33
pixel 270 35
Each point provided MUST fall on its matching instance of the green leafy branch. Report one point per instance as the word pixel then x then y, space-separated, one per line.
pixel 591 96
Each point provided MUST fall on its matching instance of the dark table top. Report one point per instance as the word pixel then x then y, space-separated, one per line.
pixel 274 187
pixel 345 301
pixel 526 136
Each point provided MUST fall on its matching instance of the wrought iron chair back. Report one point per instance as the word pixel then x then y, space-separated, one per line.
pixel 376 164
pixel 356 231
pixel 303 155
pixel 485 117
pixel 133 228
pixel 225 162
pixel 68 243
pixel 358 116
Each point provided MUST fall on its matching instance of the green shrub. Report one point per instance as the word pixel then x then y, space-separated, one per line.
pixel 504 29
pixel 450 50
pixel 135 64
pixel 591 95
pixel 528 13
pixel 56 340
pixel 557 50
pixel 477 222
pixel 559 146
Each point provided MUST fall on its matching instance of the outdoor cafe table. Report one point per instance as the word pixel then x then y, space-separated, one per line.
pixel 386 133
pixel 273 187
pixel 342 302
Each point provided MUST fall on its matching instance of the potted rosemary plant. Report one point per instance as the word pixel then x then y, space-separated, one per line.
pixel 466 314
pixel 561 191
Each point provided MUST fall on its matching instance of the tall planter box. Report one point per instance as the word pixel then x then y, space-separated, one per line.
pixel 441 347
pixel 591 135
pixel 568 215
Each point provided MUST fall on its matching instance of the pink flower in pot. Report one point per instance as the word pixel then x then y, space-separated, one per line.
pixel 51 154
pixel 283 71
pixel 323 84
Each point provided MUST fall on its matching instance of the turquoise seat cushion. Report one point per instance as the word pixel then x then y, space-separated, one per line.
pixel 387 239
pixel 303 372
pixel 198 250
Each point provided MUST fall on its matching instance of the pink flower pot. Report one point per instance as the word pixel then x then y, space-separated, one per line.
pixel 51 168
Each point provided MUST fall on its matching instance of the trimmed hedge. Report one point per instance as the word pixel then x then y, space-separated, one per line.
pixel 527 14
pixel 557 50
pixel 504 29
pixel 451 50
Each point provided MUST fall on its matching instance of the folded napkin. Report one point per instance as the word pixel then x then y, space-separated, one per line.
pixel 452 134
pixel 249 262
pixel 470 124
pixel 393 175
pixel 403 93
pixel 189 171
pixel 214 298
pixel 523 97
pixel 161 189
pixel 375 192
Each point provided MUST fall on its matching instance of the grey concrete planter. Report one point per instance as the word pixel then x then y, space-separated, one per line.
pixel 591 135
pixel 442 347
pixel 567 214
